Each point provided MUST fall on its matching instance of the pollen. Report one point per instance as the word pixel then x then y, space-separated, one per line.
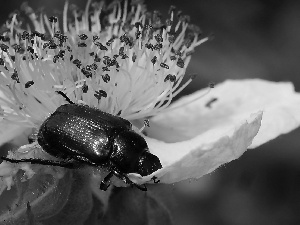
pixel 129 63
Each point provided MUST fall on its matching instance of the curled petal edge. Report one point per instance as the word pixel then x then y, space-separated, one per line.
pixel 200 155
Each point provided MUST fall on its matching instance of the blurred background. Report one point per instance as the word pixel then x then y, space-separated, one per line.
pixel 253 39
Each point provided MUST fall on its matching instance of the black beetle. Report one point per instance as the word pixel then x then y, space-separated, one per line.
pixel 82 135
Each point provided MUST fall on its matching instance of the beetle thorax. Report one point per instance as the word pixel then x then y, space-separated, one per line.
pixel 128 146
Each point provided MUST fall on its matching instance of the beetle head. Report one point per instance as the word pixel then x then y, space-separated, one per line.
pixel 148 163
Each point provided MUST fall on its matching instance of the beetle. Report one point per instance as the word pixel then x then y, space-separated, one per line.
pixel 80 135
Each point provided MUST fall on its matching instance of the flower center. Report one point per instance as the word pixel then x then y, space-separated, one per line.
pixel 120 59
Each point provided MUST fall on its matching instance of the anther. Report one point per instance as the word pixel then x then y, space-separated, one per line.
pixel 18 48
pixel 84 88
pixel 15 76
pixel 149 46
pixel 55 58
pixel 82 44
pixel 4 47
pixel 53 19
pixel 52 45
pixel 83 36
pixel 106 78
pixel 57 34
pixel 86 73
pixel 158 46
pixel 30 49
pixel 163 65
pixel 101 46
pixel 77 62
pixel 211 85
pixel 146 124
pixel 94 66
pixel 97 59
pixel 105 68
pixel 4 38
pixel 170 77
pixel 169 22
pixel 180 63
pixel 158 38
pixel 95 38
pixel 133 57
pixel 36 33
pixel 110 41
pixel 121 51
pixel 61 53
pixel 189 53
pixel 29 84
pixel 172 9
pixel 171 38
pixel 124 56
pixel 172 57
pixel 25 35
pixel 154 59
pixel 99 94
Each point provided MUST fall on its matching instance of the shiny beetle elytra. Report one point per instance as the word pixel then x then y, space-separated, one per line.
pixel 81 135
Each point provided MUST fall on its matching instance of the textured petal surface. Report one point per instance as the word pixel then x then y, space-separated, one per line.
pixel 199 137
pixel 227 103
pixel 9 131
pixel 202 154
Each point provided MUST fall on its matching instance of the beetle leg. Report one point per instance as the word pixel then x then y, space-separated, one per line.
pixel 42 162
pixel 128 181
pixel 106 181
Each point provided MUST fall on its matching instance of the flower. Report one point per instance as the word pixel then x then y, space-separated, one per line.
pixel 131 64
pixel 220 127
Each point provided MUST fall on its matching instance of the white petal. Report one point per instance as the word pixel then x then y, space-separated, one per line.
pixel 236 100
pixel 202 154
pixel 9 131
pixel 199 137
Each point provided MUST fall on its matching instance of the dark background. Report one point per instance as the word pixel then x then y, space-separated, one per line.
pixel 257 38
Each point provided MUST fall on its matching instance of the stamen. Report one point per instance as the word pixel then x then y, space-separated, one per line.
pixel 146 124
pixel 193 100
pixel 65 17
pixel 128 64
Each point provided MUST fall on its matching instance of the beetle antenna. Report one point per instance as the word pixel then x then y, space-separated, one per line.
pixel 65 96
